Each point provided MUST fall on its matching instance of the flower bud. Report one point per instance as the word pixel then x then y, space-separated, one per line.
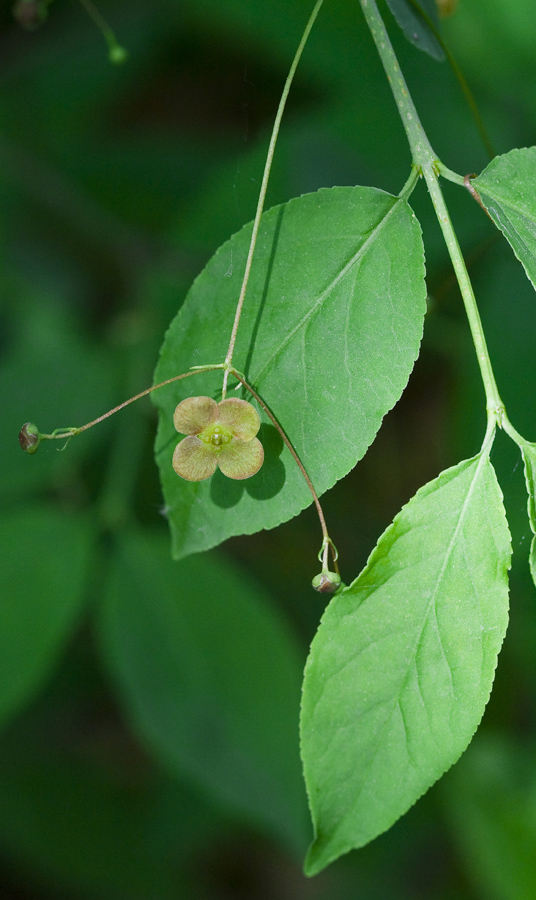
pixel 327 582
pixel 29 437
pixel 30 14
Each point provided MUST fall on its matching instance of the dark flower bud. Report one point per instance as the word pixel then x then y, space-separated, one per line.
pixel 30 14
pixel 327 582
pixel 29 437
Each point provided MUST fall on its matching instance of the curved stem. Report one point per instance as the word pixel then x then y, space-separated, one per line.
pixel 494 404
pixel 327 542
pixel 107 32
pixel 66 433
pixel 427 163
pixel 514 434
pixel 262 193
pixel 410 184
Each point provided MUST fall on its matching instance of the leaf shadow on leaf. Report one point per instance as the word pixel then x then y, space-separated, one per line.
pixel 224 492
pixel 268 481
pixel 271 477
pixel 258 318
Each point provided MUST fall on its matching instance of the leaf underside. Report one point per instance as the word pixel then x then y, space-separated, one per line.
pixel 401 668
pixel 417 19
pixel 507 188
pixel 529 458
pixel 209 678
pixel 329 334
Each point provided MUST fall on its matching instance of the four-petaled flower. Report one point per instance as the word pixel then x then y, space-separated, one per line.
pixel 219 434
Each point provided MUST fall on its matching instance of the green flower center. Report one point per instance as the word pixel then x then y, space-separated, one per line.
pixel 215 437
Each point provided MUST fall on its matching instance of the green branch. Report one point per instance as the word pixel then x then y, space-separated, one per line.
pixel 427 163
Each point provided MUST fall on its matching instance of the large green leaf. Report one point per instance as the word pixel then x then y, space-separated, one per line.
pixel 45 557
pixel 210 679
pixel 507 188
pixel 529 458
pixel 402 666
pixel 329 335
pixel 418 19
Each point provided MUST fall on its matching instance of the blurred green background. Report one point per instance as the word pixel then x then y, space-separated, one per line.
pixel 149 710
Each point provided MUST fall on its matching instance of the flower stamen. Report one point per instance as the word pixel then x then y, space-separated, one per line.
pixel 219 435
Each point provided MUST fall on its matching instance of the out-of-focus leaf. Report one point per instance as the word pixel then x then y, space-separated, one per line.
pixel 329 334
pixel 529 458
pixel 86 831
pixel 402 666
pixel 43 571
pixel 507 188
pixel 491 800
pixel 415 18
pixel 52 377
pixel 210 679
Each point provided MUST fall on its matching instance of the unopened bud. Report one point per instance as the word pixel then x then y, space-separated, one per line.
pixel 29 437
pixel 327 582
pixel 30 14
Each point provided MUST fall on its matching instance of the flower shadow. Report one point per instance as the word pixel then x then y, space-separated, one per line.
pixel 269 480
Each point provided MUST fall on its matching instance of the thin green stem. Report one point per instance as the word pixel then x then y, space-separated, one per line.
pixel 514 434
pixel 494 404
pixel 413 178
pixel 116 51
pixel 447 173
pixel 421 149
pixel 426 161
pixel 262 193
pixel 66 433
pixel 327 542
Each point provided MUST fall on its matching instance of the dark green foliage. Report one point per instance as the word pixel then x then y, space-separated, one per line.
pixel 419 22
pixel 149 747
pixel 338 274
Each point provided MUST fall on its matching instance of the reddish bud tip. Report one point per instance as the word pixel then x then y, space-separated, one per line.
pixel 29 437
pixel 327 582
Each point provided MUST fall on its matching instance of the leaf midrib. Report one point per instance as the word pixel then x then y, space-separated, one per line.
pixel 396 699
pixel 317 304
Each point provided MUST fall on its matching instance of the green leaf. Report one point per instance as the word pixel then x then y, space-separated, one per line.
pixel 330 331
pixel 43 575
pixel 507 188
pixel 418 20
pixel 51 376
pixel 90 831
pixel 210 679
pixel 491 801
pixel 529 458
pixel 402 666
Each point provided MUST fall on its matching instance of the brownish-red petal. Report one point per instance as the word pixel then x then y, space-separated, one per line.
pixel 194 414
pixel 241 459
pixel 239 417
pixel 193 460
